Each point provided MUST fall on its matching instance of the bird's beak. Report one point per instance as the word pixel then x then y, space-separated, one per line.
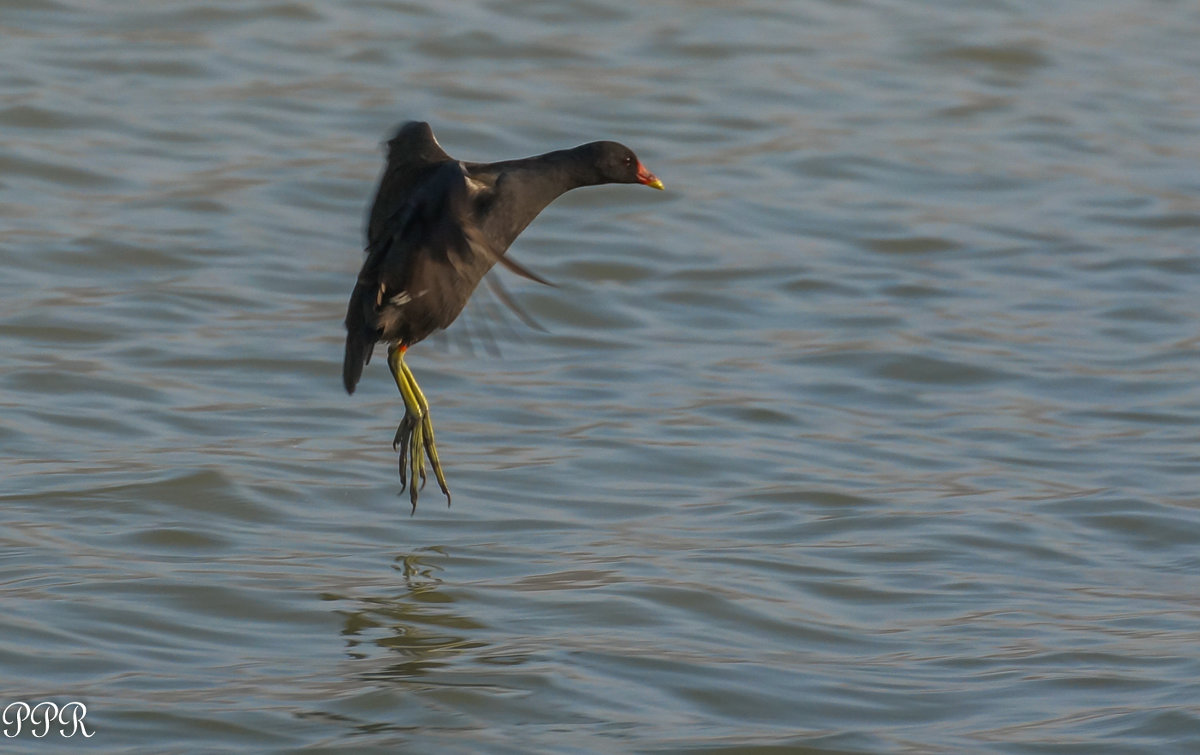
pixel 646 177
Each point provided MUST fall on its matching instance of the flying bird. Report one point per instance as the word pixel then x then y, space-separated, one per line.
pixel 436 226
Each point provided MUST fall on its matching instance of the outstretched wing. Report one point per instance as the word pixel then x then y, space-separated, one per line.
pixel 398 223
pixel 423 263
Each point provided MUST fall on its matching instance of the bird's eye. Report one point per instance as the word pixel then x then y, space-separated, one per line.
pixel 628 160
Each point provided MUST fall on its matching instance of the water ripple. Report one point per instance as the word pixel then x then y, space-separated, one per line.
pixel 875 432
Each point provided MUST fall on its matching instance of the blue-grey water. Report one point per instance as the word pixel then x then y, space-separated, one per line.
pixel 878 431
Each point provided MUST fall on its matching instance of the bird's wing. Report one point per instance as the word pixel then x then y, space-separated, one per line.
pixel 410 155
pixel 424 244
pixel 521 270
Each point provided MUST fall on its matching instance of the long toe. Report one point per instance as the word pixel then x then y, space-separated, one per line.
pixel 403 431
pixel 401 443
pixel 431 451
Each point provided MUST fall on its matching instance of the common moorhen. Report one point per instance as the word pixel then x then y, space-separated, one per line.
pixel 437 225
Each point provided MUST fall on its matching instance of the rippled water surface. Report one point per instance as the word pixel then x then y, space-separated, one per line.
pixel 879 431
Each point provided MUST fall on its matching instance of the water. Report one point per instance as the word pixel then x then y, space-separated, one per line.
pixel 876 432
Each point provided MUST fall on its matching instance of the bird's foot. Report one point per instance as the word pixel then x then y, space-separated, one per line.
pixel 414 437
pixel 414 441
pixel 401 443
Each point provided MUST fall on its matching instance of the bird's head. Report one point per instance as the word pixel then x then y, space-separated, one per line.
pixel 617 164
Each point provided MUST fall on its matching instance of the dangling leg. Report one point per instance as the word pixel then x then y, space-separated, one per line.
pixel 426 433
pixel 408 426
pixel 414 436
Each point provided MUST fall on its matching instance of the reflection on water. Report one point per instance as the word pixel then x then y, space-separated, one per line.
pixel 876 432
pixel 417 626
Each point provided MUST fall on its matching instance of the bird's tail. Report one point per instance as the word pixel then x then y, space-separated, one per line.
pixel 360 339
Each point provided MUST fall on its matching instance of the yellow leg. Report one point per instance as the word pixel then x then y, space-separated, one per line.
pixel 414 436
pixel 426 430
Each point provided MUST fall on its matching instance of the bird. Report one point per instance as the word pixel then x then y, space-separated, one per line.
pixel 436 226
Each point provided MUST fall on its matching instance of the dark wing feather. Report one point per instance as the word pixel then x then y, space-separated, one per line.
pixel 411 152
pixel 506 299
pixel 424 258
pixel 521 270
